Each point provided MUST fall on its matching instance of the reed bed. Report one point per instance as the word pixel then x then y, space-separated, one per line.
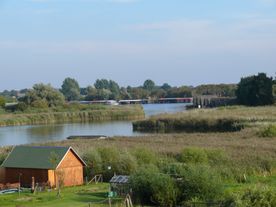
pixel 222 119
pixel 107 113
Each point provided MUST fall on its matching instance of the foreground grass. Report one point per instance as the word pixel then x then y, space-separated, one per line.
pixel 70 197
pixel 247 162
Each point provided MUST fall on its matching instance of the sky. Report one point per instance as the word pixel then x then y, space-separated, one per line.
pixel 181 42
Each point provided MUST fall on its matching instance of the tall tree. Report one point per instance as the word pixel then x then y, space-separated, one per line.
pixel 274 91
pixel 43 93
pixel 2 102
pixel 115 90
pixel 255 90
pixel 101 84
pixel 91 93
pixel 183 91
pixel 149 85
pixel 166 86
pixel 70 89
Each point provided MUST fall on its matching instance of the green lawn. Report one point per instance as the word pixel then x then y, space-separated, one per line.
pixel 70 197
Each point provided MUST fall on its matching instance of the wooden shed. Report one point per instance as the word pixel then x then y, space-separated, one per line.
pixel 45 165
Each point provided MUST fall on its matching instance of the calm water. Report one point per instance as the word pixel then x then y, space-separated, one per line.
pixel 43 133
pixel 155 109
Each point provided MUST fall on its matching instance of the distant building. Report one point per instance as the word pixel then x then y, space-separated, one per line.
pixel 44 165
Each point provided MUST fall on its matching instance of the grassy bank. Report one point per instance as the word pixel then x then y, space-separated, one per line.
pixel 223 119
pixel 70 197
pixel 72 114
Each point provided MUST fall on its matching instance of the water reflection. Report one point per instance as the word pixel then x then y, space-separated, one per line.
pixel 31 134
pixel 43 133
pixel 155 109
pixel 44 130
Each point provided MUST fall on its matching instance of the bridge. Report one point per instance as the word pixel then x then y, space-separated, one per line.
pixel 138 101
pixel 174 100
pixel 155 101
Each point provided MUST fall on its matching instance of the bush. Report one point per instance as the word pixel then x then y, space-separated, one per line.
pixel 144 156
pixel 259 197
pixel 256 197
pixel 42 103
pixel 151 187
pixel 109 161
pixel 94 163
pixel 216 157
pixel 269 131
pixel 21 106
pixel 2 102
pixel 121 162
pixel 2 158
pixel 193 155
pixel 199 181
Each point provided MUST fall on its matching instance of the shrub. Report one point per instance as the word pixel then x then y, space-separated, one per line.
pixel 255 197
pixel 144 156
pixel 193 155
pixel 269 131
pixel 94 163
pixel 259 197
pixel 2 158
pixel 173 168
pixel 21 106
pixel 216 156
pixel 42 103
pixel 151 187
pixel 126 163
pixel 199 181
pixel 121 162
pixel 2 102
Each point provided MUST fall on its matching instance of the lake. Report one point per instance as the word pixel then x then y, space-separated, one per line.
pixel 16 135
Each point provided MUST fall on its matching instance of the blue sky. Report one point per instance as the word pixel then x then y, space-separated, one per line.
pixel 182 42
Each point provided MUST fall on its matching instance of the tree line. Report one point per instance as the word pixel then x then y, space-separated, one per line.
pixel 253 90
pixel 104 89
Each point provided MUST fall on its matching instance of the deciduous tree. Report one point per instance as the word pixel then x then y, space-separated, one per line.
pixel 255 90
pixel 70 89
pixel 42 92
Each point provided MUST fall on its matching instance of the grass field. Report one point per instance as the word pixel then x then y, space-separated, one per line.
pixel 70 197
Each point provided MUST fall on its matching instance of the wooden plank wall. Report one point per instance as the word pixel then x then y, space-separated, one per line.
pixel 72 169
pixel 12 176
pixel 72 176
pixel 2 175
